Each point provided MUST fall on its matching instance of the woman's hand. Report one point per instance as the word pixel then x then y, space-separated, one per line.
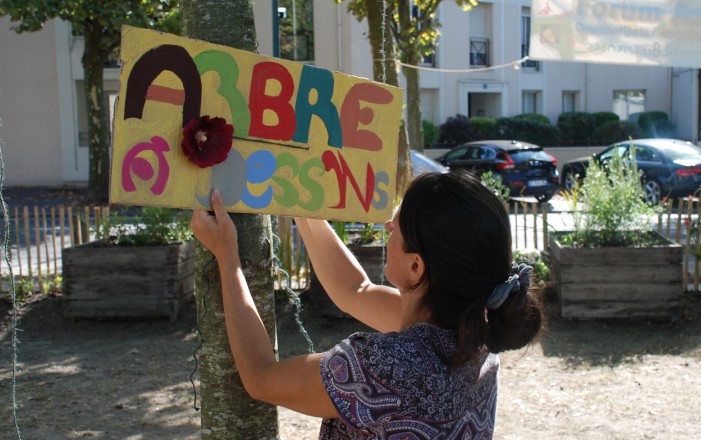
pixel 216 232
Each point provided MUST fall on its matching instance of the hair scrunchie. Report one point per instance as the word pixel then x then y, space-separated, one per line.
pixel 520 274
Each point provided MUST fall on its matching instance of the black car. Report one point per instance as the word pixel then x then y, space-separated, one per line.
pixel 669 167
pixel 525 168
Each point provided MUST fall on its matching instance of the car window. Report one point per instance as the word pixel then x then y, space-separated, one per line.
pixel 458 153
pixel 474 153
pixel 618 150
pixel 523 155
pixel 487 153
pixel 645 154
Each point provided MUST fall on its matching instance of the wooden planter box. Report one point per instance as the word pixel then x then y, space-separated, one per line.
pixel 617 282
pixel 373 261
pixel 127 281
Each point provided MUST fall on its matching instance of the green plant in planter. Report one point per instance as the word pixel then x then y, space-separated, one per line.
pixel 151 227
pixel 612 211
pixel 496 184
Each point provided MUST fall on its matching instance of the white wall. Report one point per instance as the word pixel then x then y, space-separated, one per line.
pixel 29 107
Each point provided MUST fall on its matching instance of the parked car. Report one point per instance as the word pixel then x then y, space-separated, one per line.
pixel 421 163
pixel 669 167
pixel 524 168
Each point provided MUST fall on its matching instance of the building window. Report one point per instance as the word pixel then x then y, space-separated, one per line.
pixel 569 102
pixel 525 43
pixel 530 101
pixel 479 52
pixel 628 102
pixel 296 30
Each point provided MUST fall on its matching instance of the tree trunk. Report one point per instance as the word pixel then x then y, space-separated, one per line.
pixel 384 70
pixel 413 108
pixel 228 412
pixel 98 116
pixel 411 57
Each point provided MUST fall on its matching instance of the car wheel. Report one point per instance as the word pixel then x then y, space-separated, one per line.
pixel 569 180
pixel 542 198
pixel 653 192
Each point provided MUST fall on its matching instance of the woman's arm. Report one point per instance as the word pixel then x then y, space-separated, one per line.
pixel 294 383
pixel 345 281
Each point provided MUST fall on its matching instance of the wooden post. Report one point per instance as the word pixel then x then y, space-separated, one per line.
pixel 61 214
pixel 71 231
pixel 27 241
pixel 37 239
pixel 78 229
pixel 46 241
pixel 524 207
pixel 17 241
pixel 53 238
pixel 87 223
pixel 544 209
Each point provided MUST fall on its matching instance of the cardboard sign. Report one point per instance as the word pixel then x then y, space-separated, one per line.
pixel 306 141
pixel 643 32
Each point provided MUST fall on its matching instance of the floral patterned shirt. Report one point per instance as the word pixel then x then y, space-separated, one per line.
pixel 397 386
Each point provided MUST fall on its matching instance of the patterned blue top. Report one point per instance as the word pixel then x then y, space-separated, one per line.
pixel 397 386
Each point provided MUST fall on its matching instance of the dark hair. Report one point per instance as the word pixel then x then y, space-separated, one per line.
pixel 462 232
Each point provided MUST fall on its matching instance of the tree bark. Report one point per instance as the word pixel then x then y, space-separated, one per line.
pixel 228 412
pixel 384 70
pixel 98 117
pixel 411 57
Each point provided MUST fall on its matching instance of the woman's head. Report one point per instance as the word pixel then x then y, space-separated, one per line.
pixel 461 231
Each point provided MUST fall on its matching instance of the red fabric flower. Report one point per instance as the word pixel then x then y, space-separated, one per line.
pixel 207 141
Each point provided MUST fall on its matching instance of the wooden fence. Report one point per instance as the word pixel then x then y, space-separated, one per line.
pixel 682 225
pixel 38 235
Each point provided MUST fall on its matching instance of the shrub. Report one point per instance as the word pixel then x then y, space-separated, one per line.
pixel 615 131
pixel 430 132
pixel 576 128
pixel 527 131
pixel 533 117
pixel 455 130
pixel 152 226
pixel 614 211
pixel 459 129
pixel 600 118
pixel 648 121
pixel 482 128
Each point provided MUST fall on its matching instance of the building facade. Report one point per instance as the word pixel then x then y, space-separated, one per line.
pixel 477 69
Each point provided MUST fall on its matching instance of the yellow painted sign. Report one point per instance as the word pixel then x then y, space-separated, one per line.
pixel 275 136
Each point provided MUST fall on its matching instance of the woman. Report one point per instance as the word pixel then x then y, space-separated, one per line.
pixel 431 370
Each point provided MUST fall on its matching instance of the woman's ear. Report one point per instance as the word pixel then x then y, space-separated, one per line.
pixel 418 267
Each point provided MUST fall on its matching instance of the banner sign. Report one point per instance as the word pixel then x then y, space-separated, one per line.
pixel 640 32
pixel 275 136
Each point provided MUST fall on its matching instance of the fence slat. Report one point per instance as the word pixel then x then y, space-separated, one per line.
pixel 53 238
pixel 544 209
pixel 27 241
pixel 37 239
pixel 46 241
pixel 17 240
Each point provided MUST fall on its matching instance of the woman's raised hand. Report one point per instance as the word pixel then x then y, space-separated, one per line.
pixel 216 232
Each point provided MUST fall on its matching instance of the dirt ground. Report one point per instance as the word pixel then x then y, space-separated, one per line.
pixel 131 379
